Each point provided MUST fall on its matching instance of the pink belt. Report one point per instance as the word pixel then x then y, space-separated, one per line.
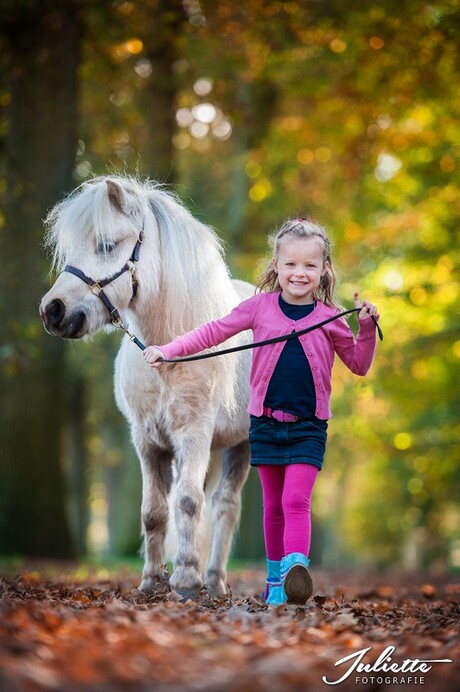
pixel 280 416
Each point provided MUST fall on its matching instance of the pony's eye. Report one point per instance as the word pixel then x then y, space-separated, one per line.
pixel 104 247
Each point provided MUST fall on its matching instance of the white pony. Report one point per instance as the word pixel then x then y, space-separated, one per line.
pixel 174 279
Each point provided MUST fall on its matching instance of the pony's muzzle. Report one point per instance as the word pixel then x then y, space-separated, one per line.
pixel 53 313
pixel 56 322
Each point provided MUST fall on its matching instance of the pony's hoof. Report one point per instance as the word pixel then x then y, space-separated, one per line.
pixel 215 584
pixel 185 581
pixel 187 594
pixel 152 585
pixel 147 586
pixel 217 590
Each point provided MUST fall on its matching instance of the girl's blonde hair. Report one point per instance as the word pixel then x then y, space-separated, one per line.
pixel 302 228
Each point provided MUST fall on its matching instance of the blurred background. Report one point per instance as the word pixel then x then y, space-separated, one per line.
pixel 252 112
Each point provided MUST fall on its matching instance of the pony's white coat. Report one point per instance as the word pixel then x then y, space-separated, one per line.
pixel 177 413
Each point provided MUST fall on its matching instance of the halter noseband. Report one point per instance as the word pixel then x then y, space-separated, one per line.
pixel 97 286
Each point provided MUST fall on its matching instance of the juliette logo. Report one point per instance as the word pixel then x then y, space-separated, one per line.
pixel 388 672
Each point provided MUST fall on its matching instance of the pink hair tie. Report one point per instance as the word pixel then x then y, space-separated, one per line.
pixel 304 218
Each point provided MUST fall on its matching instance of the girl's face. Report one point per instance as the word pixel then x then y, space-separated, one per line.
pixel 299 265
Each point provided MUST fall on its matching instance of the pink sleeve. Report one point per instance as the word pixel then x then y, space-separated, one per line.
pixel 211 333
pixel 357 354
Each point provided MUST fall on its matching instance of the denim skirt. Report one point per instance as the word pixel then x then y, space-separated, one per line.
pixel 301 442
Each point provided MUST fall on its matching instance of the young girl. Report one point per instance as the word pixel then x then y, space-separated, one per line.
pixel 290 389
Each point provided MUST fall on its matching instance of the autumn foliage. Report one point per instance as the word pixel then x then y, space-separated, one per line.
pixel 64 633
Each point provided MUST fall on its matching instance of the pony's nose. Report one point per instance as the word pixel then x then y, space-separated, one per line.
pixel 54 312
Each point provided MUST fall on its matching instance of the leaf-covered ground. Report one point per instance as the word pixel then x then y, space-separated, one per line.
pixel 99 633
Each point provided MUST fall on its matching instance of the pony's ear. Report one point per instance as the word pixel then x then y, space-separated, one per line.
pixel 116 194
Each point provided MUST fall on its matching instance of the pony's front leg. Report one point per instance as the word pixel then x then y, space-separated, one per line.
pixel 226 507
pixel 156 465
pixel 192 460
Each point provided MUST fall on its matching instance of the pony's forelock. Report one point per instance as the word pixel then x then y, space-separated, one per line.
pixel 87 211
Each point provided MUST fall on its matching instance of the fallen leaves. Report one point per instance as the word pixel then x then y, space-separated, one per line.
pixel 64 634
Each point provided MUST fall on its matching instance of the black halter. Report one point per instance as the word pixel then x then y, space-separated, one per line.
pixel 97 286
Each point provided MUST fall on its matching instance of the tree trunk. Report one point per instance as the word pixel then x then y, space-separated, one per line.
pixel 77 460
pixel 42 40
pixel 163 28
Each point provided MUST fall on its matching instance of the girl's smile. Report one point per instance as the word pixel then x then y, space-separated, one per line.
pixel 299 265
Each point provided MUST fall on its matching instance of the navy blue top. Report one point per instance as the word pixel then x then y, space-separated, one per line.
pixel 291 388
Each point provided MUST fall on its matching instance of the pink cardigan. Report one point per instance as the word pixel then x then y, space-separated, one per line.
pixel 262 314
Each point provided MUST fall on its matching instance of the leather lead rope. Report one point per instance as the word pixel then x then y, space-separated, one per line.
pixel 274 340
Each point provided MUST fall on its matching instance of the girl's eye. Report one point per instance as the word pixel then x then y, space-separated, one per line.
pixel 105 247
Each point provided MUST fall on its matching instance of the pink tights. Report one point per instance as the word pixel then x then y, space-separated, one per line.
pixel 286 501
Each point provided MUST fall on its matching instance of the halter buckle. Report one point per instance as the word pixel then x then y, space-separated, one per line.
pixel 96 288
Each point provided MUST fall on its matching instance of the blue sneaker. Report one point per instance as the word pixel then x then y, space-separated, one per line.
pixel 274 590
pixel 295 578
pixel 275 593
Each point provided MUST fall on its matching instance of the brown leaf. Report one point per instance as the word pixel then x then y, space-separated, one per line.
pixel 428 590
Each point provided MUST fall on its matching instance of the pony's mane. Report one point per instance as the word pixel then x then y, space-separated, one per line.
pixel 181 259
pixel 193 269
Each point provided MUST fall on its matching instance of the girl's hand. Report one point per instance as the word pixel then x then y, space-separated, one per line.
pixel 367 309
pixel 153 356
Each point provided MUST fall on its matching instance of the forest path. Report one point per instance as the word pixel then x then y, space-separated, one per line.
pixel 73 634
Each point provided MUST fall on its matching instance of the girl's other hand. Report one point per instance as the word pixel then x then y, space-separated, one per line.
pixel 367 309
pixel 153 356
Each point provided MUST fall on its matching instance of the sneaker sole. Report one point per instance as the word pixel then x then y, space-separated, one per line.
pixel 298 585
